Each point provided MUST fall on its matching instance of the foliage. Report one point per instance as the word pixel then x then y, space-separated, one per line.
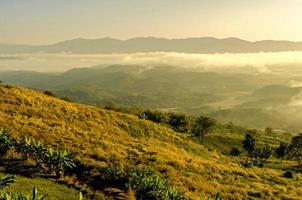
pixel 7 181
pixel 288 174
pixel 295 149
pixel 156 188
pixel 179 122
pixel 249 143
pixel 282 150
pixel 5 142
pixel 20 196
pixel 155 116
pixel 202 126
pixel 143 181
pixel 235 151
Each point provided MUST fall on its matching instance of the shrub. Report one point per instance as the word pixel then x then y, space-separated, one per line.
pixel 155 116
pixel 249 144
pixel 235 151
pixel 179 122
pixel 288 174
pixel 48 93
pixel 6 142
pixel 281 151
pixel 156 188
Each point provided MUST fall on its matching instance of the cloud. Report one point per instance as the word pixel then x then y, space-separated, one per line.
pixel 231 62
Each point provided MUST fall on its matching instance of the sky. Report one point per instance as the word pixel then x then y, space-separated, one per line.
pixel 50 21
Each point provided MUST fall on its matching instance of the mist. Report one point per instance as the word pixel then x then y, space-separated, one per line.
pixel 277 62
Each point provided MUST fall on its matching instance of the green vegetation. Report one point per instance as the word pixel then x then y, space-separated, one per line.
pixel 249 100
pixel 117 155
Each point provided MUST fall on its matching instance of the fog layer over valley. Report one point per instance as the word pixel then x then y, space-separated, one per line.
pixel 277 62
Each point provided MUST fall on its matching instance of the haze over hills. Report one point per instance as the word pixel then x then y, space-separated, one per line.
pixel 152 44
pixel 251 100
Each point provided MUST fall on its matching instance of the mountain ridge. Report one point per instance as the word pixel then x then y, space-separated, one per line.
pixel 109 45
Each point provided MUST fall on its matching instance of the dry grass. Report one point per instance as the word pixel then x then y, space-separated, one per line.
pixel 97 136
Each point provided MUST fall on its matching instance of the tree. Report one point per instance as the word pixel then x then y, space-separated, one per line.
pixel 295 149
pixel 6 142
pixel 281 151
pixel 179 122
pixel 249 144
pixel 203 126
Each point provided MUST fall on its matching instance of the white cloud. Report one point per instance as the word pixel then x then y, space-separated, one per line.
pixel 259 62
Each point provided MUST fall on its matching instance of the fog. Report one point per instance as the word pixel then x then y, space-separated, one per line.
pixel 245 62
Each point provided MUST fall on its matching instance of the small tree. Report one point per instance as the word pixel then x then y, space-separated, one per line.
pixel 295 149
pixel 203 126
pixel 249 144
pixel 62 161
pixel 281 151
pixel 179 122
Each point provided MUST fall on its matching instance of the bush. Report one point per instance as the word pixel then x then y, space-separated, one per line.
pixel 288 174
pixel 48 93
pixel 6 142
pixel 235 151
pixel 156 188
pixel 142 181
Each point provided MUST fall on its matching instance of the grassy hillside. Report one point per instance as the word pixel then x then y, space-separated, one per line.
pixel 100 138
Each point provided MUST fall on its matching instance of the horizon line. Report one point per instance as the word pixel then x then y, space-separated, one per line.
pixel 149 37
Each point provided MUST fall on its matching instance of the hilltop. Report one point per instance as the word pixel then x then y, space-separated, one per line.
pixel 100 138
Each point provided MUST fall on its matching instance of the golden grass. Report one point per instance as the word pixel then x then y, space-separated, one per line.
pixel 98 135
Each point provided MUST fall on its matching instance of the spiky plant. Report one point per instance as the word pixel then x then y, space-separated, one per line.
pixel 38 152
pixel 25 147
pixel 6 142
pixel 63 160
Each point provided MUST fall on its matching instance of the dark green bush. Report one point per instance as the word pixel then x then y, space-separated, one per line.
pixel 235 151
pixel 288 174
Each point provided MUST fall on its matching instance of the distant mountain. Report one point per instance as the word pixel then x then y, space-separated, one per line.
pixel 151 44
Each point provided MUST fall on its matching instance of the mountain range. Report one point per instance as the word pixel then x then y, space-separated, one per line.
pixel 152 44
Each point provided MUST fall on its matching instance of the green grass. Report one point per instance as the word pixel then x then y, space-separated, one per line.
pixel 54 190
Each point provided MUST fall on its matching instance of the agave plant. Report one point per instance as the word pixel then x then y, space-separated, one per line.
pixel 6 142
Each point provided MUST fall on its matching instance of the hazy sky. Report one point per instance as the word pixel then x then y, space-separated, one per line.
pixel 49 21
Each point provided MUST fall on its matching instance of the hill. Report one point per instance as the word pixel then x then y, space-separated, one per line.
pixel 225 96
pixel 100 138
pixel 151 44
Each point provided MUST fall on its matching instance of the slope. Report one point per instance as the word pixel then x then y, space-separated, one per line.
pixel 100 137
